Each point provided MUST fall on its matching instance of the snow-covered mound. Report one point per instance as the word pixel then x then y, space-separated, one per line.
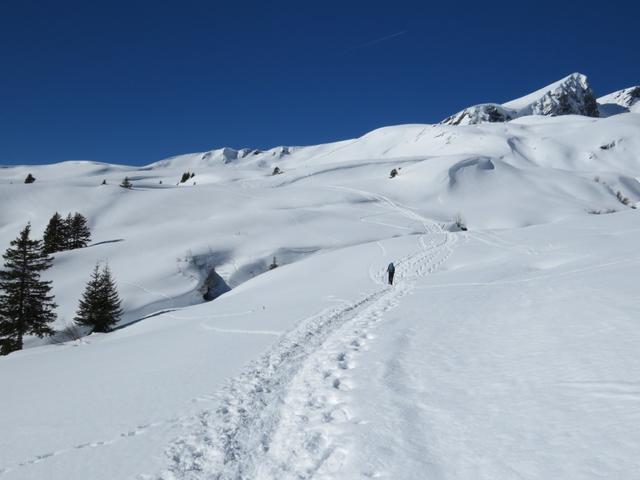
pixel 223 156
pixel 570 96
pixel 506 350
pixel 626 100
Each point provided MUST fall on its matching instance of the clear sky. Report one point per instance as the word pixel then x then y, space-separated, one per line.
pixel 137 81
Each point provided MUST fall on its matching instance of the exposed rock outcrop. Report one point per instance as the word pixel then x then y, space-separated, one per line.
pixel 570 96
pixel 626 100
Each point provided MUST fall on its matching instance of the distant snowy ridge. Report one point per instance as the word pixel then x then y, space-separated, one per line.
pixel 571 95
pixel 625 100
pixel 224 155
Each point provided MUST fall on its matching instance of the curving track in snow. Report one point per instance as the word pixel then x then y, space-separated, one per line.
pixel 280 417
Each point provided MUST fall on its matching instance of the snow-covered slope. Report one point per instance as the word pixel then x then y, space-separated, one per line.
pixel 505 351
pixel 626 100
pixel 570 96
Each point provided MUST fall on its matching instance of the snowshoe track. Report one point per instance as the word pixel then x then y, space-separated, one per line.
pixel 281 418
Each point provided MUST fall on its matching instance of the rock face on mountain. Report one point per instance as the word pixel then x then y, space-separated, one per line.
pixel 571 95
pixel 486 112
pixel 626 100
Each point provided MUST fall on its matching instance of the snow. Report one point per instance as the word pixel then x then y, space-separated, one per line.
pixel 505 351
pixel 523 374
pixel 570 95
pixel 625 100
pixel 524 102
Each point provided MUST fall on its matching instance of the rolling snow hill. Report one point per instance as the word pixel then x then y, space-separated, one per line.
pixel 508 350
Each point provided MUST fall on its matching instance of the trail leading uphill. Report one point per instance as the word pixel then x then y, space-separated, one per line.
pixel 282 417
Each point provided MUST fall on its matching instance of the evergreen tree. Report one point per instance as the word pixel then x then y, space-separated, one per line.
pixel 126 183
pixel 112 303
pixel 99 307
pixel 26 308
pixel 66 232
pixel 78 233
pixel 30 179
pixel 89 305
pixel 55 235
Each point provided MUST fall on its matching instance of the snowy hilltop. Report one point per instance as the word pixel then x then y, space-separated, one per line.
pixel 570 96
pixel 627 100
pixel 256 336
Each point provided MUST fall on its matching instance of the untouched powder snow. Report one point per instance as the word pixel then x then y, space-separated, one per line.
pixel 508 350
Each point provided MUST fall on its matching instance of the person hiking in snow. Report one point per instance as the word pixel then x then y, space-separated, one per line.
pixel 392 270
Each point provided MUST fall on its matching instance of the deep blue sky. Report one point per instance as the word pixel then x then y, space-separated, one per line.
pixel 137 81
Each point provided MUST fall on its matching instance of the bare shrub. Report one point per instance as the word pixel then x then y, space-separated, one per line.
pixel 70 333
pixel 459 223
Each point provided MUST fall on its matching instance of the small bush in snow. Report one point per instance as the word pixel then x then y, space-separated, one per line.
pixel 459 223
pixel 70 333
pixel 126 183
pixel 602 212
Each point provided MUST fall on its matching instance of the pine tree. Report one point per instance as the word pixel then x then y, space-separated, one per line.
pixel 126 183
pixel 99 307
pixel 109 293
pixel 26 308
pixel 55 235
pixel 78 233
pixel 66 232
pixel 89 305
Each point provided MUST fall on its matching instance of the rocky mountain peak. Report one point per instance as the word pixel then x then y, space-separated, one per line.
pixel 570 96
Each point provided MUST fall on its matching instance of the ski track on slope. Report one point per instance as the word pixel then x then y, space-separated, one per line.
pixel 282 417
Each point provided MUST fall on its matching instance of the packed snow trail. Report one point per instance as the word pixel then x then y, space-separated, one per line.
pixel 281 417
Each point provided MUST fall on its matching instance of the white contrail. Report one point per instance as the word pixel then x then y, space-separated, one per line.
pixel 378 40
